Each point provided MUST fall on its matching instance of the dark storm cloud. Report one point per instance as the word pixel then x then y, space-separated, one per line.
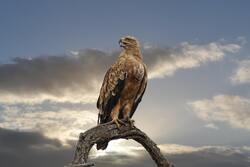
pixel 209 158
pixel 53 74
pixel 10 139
pixel 28 149
pixel 216 156
pixel 71 77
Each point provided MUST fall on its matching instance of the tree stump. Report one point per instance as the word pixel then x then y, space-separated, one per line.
pixel 108 132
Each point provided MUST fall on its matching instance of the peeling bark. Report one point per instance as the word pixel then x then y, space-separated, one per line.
pixel 108 132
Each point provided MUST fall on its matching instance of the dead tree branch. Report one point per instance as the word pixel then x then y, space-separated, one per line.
pixel 108 132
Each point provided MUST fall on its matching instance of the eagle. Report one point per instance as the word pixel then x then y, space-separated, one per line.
pixel 123 86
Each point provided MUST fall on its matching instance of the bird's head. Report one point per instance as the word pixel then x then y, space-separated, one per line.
pixel 129 43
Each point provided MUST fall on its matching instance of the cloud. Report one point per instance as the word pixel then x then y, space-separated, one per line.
pixel 211 126
pixel 49 94
pixel 168 61
pixel 242 73
pixel 57 78
pixel 27 149
pixel 16 139
pixel 234 110
pixel 61 123
pixel 207 156
pixel 182 156
pixel 77 77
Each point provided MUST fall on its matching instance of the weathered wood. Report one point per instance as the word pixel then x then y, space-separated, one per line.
pixel 108 132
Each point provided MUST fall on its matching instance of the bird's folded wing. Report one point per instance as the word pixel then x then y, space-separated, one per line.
pixel 140 92
pixel 111 89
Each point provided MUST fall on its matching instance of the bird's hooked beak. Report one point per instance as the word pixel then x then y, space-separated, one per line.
pixel 121 42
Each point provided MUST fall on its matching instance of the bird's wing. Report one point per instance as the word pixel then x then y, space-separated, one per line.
pixel 140 92
pixel 111 89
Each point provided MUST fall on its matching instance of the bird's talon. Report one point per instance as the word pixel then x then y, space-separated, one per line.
pixel 130 122
pixel 118 123
pixel 121 122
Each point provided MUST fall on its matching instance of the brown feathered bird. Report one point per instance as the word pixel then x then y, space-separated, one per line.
pixel 123 86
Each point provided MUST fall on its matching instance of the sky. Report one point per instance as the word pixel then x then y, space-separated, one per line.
pixel 54 55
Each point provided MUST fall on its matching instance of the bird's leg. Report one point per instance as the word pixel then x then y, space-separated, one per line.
pixel 118 122
pixel 126 115
pixel 115 114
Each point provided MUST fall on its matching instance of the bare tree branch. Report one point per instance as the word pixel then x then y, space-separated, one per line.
pixel 108 132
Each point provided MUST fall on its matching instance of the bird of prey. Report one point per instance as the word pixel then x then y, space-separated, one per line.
pixel 123 86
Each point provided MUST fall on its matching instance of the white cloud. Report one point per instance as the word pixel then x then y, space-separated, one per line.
pixel 242 73
pixel 77 78
pixel 190 56
pixel 234 110
pixel 180 149
pixel 75 53
pixel 180 155
pixel 211 126
pixel 80 96
pixel 63 124
pixel 125 148
pixel 121 147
